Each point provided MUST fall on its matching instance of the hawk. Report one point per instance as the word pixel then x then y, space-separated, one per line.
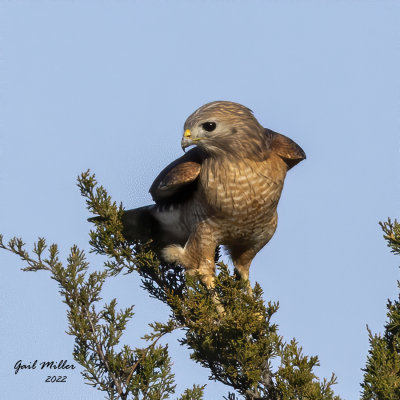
pixel 224 191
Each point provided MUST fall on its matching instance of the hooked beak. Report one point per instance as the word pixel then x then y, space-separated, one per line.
pixel 188 140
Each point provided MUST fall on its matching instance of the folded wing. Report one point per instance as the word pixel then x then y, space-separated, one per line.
pixel 178 180
pixel 285 148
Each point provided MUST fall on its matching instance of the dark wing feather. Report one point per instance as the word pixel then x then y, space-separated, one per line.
pixel 285 148
pixel 178 180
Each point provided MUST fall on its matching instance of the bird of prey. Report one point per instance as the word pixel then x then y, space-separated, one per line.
pixel 224 191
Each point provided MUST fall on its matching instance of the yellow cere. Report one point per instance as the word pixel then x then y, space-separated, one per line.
pixel 187 133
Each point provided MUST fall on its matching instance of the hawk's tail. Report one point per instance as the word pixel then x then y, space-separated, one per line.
pixel 161 225
pixel 138 224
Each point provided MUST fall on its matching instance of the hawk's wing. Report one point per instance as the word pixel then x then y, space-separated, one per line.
pixel 178 179
pixel 285 148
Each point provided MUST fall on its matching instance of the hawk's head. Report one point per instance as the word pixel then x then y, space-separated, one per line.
pixel 223 126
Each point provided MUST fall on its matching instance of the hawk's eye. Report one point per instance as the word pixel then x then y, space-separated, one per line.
pixel 209 126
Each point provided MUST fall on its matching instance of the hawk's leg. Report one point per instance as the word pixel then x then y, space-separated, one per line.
pixel 242 256
pixel 198 255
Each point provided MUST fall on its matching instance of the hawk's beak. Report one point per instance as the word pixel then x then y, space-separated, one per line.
pixel 186 140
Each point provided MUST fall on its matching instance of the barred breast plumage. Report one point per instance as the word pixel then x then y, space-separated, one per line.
pixel 242 197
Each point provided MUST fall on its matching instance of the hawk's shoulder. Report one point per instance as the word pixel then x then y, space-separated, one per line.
pixel 178 179
pixel 284 147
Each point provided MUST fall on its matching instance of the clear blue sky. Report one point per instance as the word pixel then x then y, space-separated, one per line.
pixel 107 86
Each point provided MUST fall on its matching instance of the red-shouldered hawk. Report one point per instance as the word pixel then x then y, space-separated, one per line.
pixel 224 191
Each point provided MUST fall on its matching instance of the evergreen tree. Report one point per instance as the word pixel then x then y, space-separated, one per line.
pixel 236 346
pixel 382 372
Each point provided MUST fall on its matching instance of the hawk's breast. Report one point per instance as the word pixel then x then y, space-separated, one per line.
pixel 242 195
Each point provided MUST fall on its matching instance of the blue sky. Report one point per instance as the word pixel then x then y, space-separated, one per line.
pixel 108 85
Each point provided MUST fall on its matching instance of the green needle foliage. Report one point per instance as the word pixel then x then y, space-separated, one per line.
pixel 382 372
pixel 126 373
pixel 238 346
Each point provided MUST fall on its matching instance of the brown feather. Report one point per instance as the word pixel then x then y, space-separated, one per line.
pixel 285 148
pixel 177 176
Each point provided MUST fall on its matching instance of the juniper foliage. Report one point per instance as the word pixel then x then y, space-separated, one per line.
pixel 237 347
pixel 141 373
pixel 382 371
